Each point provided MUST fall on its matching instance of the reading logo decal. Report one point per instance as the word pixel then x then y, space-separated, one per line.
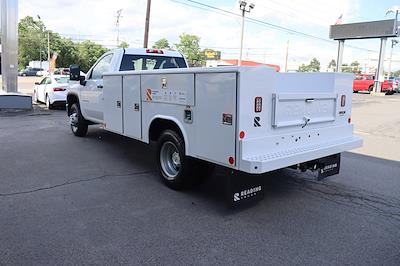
pixel 247 193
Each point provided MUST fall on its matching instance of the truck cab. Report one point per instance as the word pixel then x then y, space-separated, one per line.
pixel 89 90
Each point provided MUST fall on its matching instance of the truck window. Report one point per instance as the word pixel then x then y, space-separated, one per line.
pixel 102 66
pixel 149 62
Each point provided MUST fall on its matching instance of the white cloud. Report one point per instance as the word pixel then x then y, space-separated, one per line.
pixel 95 20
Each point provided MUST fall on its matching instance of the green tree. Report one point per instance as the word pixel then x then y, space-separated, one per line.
pixel 123 44
pixel 66 49
pixel 32 41
pixel 33 46
pixel 396 73
pixel 161 44
pixel 88 53
pixel 189 45
pixel 303 68
pixel 332 64
pixel 313 66
pixel 354 67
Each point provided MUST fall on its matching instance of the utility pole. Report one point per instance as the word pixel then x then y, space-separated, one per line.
pixel 242 6
pixel 287 55
pixel 146 25
pixel 117 24
pixel 394 42
pixel 40 44
pixel 48 50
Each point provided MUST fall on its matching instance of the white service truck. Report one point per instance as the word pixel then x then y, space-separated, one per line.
pixel 249 119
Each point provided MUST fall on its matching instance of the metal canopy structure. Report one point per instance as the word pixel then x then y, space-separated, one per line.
pixel 9 43
pixel 382 29
pixel 9 98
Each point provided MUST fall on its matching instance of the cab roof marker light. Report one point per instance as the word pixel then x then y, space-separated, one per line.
pixel 154 51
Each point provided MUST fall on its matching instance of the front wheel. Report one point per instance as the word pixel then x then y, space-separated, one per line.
pixel 78 124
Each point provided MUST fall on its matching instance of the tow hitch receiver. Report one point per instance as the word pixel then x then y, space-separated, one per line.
pixel 323 167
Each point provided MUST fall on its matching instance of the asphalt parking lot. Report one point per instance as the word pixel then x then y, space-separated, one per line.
pixel 99 200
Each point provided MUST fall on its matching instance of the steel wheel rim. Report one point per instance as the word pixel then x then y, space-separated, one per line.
pixel 73 121
pixel 170 160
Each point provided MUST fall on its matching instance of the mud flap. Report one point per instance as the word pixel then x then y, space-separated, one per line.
pixel 243 189
pixel 328 166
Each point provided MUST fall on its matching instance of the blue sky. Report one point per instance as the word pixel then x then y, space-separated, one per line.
pixel 95 20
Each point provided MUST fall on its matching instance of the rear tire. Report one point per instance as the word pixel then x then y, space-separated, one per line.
pixel 79 125
pixel 48 104
pixel 370 88
pixel 172 162
pixel 177 170
pixel 35 97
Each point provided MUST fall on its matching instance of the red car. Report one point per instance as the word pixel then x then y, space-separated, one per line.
pixel 365 82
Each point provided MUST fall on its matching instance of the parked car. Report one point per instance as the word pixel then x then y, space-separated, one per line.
pixel 42 73
pixel 61 71
pixel 30 71
pixel 51 90
pixel 365 82
pixel 396 83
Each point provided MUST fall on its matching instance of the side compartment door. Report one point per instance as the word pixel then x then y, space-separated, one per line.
pixel 113 103
pixel 132 108
pixel 214 117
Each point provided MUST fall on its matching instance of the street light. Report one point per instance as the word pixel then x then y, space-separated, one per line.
pixel 40 46
pixel 394 9
pixel 394 42
pixel 242 6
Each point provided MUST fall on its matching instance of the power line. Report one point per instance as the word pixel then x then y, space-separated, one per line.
pixel 267 24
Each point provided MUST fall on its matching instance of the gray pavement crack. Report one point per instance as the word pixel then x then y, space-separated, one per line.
pixel 382 205
pixel 71 182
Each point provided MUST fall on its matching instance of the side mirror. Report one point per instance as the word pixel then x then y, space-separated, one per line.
pixel 82 80
pixel 37 83
pixel 74 72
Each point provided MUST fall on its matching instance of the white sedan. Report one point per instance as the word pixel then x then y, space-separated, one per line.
pixel 51 90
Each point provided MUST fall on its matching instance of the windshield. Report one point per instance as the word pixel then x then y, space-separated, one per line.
pixel 62 79
pixel 149 62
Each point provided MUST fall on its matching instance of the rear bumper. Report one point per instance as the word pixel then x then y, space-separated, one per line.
pixel 262 163
pixel 58 97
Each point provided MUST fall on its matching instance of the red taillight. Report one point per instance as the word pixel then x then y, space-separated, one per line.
pixel 258 104
pixel 343 101
pixel 349 120
pixel 241 135
pixel 154 51
pixel 231 160
pixel 58 89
